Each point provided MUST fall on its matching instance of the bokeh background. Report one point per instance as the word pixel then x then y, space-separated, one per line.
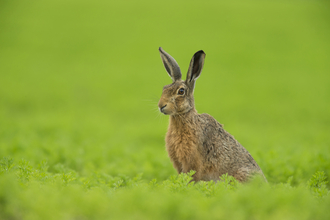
pixel 80 82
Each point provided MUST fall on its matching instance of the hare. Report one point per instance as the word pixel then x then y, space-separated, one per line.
pixel 197 141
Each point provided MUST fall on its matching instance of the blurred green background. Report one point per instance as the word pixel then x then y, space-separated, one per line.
pixel 80 82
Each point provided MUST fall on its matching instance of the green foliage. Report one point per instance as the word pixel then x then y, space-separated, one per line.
pixel 41 194
pixel 318 184
pixel 6 165
pixel 80 133
pixel 180 183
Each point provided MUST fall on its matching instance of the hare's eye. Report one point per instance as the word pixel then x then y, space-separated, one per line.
pixel 181 91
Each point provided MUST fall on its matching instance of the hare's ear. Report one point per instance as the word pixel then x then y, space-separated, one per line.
pixel 171 65
pixel 195 68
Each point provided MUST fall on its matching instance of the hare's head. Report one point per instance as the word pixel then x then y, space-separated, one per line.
pixel 178 97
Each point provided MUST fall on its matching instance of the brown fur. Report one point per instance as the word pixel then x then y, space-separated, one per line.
pixel 197 141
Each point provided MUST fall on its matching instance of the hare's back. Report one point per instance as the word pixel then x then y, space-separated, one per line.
pixel 222 148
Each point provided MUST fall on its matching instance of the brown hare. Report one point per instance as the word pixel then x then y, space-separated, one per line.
pixel 197 141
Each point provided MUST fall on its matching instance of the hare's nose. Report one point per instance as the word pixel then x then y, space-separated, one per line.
pixel 162 108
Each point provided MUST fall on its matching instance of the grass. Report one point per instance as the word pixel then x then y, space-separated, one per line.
pixel 80 133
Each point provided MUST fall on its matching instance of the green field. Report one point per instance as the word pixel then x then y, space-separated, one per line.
pixel 81 136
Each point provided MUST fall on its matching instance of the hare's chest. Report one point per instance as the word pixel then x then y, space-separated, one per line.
pixel 181 146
